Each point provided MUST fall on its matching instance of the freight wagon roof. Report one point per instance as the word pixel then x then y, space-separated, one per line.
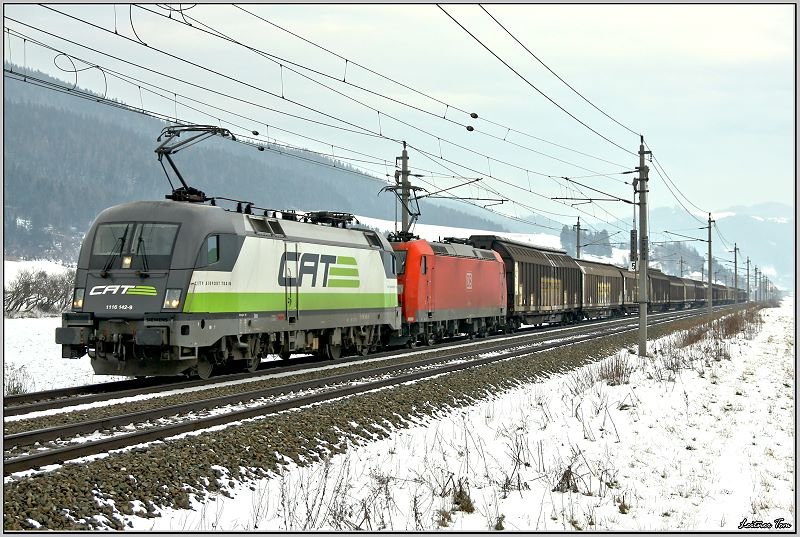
pixel 524 252
pixel 594 267
pixel 489 239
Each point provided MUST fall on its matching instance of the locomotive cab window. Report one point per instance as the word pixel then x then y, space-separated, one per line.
pixel 133 245
pixel 212 247
pixel 401 260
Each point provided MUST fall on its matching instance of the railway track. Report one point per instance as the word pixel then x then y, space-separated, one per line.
pixel 17 405
pixel 260 402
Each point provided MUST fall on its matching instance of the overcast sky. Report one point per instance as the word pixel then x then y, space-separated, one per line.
pixel 710 87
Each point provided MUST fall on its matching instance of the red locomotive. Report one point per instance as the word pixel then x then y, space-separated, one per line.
pixel 447 288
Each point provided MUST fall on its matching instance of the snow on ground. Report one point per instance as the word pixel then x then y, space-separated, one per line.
pixel 12 268
pixel 707 446
pixel 31 343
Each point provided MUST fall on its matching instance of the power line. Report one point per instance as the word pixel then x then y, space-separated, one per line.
pixel 172 95
pixel 279 60
pixel 673 184
pixel 719 234
pixel 472 115
pixel 240 138
pixel 378 134
pixel 228 77
pixel 555 74
pixel 434 158
pixel 142 83
pixel 131 63
pixel 31 79
pixel 210 90
pixel 531 85
pixel 676 197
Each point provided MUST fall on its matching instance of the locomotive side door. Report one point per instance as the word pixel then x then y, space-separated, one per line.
pixel 291 289
pixel 425 270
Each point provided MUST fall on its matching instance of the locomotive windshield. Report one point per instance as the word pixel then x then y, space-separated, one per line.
pixel 134 245
pixel 400 255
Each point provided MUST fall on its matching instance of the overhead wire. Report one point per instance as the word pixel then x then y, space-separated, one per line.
pixel 170 95
pixel 690 213
pixel 32 79
pixel 240 138
pixel 555 74
pixel 434 158
pixel 166 117
pixel 215 72
pixel 367 130
pixel 652 154
pixel 501 60
pixel 205 88
pixel 181 80
pixel 280 61
pixel 349 61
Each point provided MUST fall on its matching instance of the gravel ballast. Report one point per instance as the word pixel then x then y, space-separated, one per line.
pixel 165 474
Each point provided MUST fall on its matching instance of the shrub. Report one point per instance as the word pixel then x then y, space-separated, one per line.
pixel 17 380
pixel 616 370
pixel 39 291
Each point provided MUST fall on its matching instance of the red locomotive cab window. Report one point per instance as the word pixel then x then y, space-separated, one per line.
pixel 400 256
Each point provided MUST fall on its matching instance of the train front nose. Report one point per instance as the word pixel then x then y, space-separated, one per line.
pixel 126 296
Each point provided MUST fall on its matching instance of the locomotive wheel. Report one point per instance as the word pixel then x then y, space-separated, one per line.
pixel 332 352
pixel 205 369
pixel 253 363
pixel 284 355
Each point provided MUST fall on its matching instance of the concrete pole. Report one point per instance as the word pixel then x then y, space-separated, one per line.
pixel 735 274
pixel 748 278
pixel 755 284
pixel 405 187
pixel 643 250
pixel 709 293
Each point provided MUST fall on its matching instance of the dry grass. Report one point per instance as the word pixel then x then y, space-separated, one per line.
pixel 616 370
pixel 17 380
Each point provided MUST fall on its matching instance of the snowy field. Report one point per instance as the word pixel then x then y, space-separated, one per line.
pixel 31 343
pixel 702 447
pixel 707 445
pixel 12 268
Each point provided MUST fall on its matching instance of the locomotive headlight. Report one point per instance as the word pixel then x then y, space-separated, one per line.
pixel 77 298
pixel 126 261
pixel 172 299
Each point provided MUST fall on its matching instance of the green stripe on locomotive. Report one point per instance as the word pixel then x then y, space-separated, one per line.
pixel 272 276
pixel 245 302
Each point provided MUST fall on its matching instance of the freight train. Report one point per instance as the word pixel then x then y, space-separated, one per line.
pixel 176 287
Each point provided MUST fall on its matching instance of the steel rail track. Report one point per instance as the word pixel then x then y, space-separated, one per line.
pixel 60 455
pixel 16 405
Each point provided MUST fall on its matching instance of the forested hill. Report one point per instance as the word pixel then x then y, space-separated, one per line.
pixel 66 159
